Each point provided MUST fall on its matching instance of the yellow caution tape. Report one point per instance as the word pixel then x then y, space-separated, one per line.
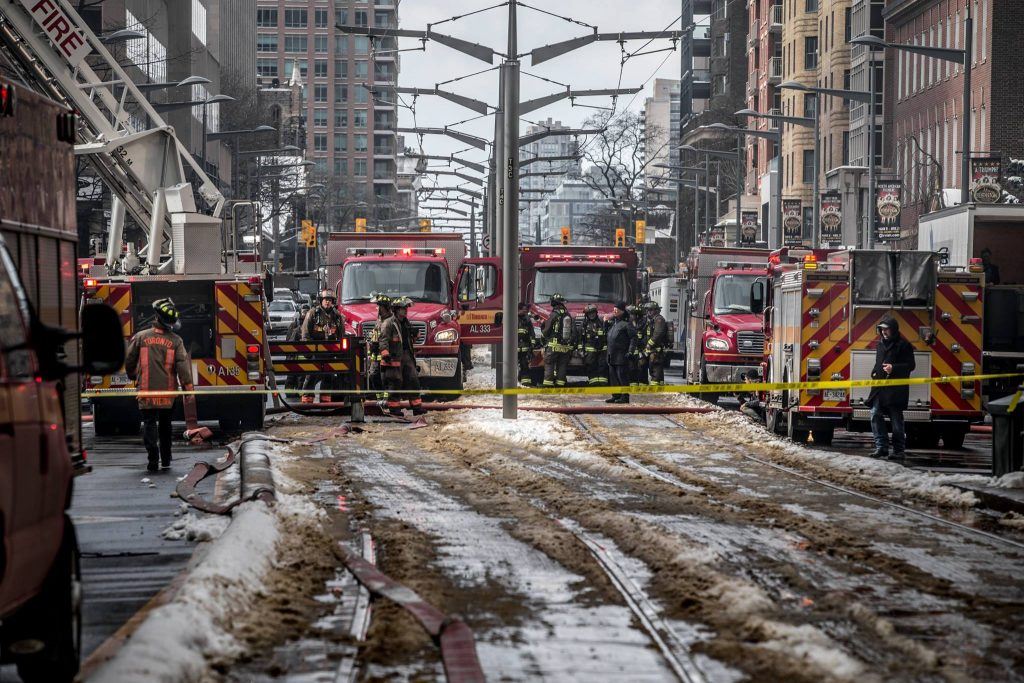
pixel 1014 401
pixel 733 388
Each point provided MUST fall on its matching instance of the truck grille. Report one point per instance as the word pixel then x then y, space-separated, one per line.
pixel 750 343
pixel 419 327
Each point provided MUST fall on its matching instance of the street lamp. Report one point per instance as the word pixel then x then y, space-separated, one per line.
pixel 946 54
pixel 191 80
pixel 121 36
pixel 856 95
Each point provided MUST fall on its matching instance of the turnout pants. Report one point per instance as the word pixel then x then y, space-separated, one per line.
pixel 524 368
pixel 556 365
pixel 402 376
pixel 596 363
pixel 326 380
pixel 656 363
pixel 156 434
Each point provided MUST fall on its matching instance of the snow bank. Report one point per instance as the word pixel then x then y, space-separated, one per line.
pixel 927 486
pixel 196 527
pixel 1013 480
pixel 178 641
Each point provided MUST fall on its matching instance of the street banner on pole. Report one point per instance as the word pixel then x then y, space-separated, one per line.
pixel 986 173
pixel 792 222
pixel 888 206
pixel 831 217
pixel 750 228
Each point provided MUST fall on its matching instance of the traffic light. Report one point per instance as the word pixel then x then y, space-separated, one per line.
pixel 425 225
pixel 308 235
pixel 360 225
pixel 565 234
pixel 620 237
pixel 641 228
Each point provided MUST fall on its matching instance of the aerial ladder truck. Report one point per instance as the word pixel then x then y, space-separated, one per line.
pixel 199 259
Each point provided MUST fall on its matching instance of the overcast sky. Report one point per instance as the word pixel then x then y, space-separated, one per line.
pixel 593 66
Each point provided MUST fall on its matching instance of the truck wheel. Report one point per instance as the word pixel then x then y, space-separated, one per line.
pixel 773 421
pixel 823 437
pixel 953 436
pixel 53 617
pixel 254 413
pixel 795 435
pixel 710 397
pixel 228 425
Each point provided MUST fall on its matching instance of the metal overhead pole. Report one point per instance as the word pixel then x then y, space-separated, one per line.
pixel 869 210
pixel 472 228
pixel 816 186
pixel 965 144
pixel 741 159
pixel 510 232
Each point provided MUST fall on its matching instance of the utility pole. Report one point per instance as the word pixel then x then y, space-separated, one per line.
pixel 510 224
pixel 472 228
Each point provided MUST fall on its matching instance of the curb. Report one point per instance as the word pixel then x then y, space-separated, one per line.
pixel 1001 500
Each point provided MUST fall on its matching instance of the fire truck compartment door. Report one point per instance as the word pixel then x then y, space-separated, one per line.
pixel 861 363
pixel 478 292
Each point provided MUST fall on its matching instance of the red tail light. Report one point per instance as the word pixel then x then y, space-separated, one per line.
pixel 89 282
pixel 344 344
pixel 252 348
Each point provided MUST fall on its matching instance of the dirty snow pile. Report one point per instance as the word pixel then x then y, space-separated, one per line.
pixel 927 486
pixel 191 526
pixel 183 639
pixel 1013 480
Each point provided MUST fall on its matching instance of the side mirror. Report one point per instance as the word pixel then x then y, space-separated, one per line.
pixel 268 286
pixel 480 283
pixel 757 296
pixel 102 340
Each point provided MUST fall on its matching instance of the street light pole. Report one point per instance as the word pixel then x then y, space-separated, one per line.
pixel 866 241
pixel 816 186
pixel 510 232
pixel 965 160
pixel 740 168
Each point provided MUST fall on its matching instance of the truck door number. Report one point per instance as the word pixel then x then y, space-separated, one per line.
pixel 480 329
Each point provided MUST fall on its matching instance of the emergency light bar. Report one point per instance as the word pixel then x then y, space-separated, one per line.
pixel 737 264
pixel 580 257
pixel 401 251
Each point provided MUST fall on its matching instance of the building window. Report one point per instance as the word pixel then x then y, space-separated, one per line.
pixel 808 169
pixel 340 93
pixel 359 142
pixel 362 45
pixel 362 95
pixel 341 118
pixel 320 18
pixel 266 17
pixel 296 18
pixel 808 230
pixel 847 24
pixel 319 93
pixel 340 68
pixel 810 5
pixel 811 52
pixel 359 168
pixel 320 44
pixel 266 42
pixel 341 166
pixel 341 17
pixel 359 118
pixel 319 117
pixel 266 67
pixel 340 142
pixel 809 99
pixel 382 19
pixel 320 68
pixel 361 18
pixel 319 142
pixel 341 45
pixel 362 69
pixel 296 44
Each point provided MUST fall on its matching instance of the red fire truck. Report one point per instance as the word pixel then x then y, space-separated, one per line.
pixel 456 301
pixel 582 274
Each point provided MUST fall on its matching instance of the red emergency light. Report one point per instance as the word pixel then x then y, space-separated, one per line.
pixel 89 282
pixel 580 257
pixel 344 343
pixel 406 252
pixel 439 251
pixel 252 348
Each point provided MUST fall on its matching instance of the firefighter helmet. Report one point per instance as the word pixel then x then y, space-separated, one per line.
pixel 401 302
pixel 590 308
pixel 632 309
pixel 167 313
pixel 380 299
pixel 329 295
pixel 556 299
pixel 653 306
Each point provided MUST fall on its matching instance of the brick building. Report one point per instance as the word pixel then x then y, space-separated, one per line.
pixel 926 94
pixel 349 127
pixel 801 55
pixel 764 73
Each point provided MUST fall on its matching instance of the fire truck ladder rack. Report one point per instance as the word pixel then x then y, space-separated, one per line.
pixel 133 150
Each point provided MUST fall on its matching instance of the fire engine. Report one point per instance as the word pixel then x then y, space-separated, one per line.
pixel 583 275
pixel 820 309
pixel 456 300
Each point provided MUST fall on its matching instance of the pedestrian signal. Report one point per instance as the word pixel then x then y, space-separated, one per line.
pixel 425 225
pixel 641 229
pixel 620 237
pixel 360 225
pixel 565 235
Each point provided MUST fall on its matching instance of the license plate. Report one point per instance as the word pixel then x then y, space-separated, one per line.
pixel 835 395
pixel 445 367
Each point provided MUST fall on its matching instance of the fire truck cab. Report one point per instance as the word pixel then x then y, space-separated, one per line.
pixel 820 309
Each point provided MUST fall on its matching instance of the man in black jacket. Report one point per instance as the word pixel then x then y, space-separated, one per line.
pixel 621 338
pixel 894 359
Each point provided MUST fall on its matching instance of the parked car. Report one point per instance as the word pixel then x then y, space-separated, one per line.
pixel 281 314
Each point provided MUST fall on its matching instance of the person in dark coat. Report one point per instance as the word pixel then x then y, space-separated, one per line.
pixel 620 339
pixel 894 359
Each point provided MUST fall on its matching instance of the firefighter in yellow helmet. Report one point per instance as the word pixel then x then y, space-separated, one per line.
pixel 374 372
pixel 559 334
pixel 322 324
pixel 398 359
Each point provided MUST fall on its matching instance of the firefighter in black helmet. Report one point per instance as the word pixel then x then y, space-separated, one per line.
pixel 375 376
pixel 398 359
pixel 594 346
pixel 322 323
pixel 559 336
pixel 656 343
pixel 527 343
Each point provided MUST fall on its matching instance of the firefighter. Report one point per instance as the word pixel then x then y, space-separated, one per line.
pixel 528 343
pixel 323 323
pixel 398 359
pixel 894 359
pixel 638 361
pixel 156 358
pixel 559 337
pixel 375 378
pixel 294 335
pixel 594 346
pixel 657 340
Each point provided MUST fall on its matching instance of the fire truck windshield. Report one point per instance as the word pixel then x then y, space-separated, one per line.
pixel 580 284
pixel 732 294
pixel 418 280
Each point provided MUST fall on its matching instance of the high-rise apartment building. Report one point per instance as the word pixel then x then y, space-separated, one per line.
pixel 695 53
pixel 660 118
pixel 538 178
pixel 347 92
